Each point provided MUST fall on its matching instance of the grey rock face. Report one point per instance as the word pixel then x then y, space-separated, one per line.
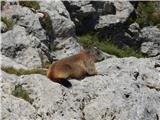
pixel 151 38
pixel 146 39
pixel 8 62
pixel 65 43
pixel 14 39
pixel 22 48
pixel 127 88
pixel 31 45
pixel 93 15
pixel 123 10
pixel 27 42
pixel 67 47
pixel 16 108
pixel 24 17
pixel 61 23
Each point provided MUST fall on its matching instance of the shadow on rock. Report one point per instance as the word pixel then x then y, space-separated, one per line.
pixel 66 83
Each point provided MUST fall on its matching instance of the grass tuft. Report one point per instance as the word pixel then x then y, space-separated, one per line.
pixel 20 92
pixel 147 14
pixel 108 46
pixel 31 4
pixel 9 22
pixel 19 72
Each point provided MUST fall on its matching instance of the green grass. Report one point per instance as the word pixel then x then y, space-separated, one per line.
pixel 19 72
pixel 31 4
pixel 147 14
pixel 9 22
pixel 20 92
pixel 108 46
pixel 46 65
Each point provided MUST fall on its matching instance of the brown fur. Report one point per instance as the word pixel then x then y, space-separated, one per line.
pixel 76 66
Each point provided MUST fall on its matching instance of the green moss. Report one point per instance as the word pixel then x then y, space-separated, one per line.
pixel 19 72
pixel 20 92
pixel 9 22
pixel 30 4
pixel 108 46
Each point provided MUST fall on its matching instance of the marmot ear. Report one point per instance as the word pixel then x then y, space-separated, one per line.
pixel 88 51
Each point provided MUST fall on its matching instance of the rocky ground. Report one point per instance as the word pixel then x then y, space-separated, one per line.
pixel 126 89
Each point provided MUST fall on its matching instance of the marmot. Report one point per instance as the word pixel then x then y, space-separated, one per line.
pixel 76 66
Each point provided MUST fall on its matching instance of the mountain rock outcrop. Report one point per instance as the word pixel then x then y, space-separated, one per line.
pixel 94 15
pixel 151 38
pixel 29 43
pixel 127 88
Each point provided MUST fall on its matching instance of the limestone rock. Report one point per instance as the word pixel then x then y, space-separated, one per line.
pixel 151 38
pixel 127 88
pixel 66 42
pixel 123 11
pixel 61 22
pixel 93 15
pixel 8 62
pixel 68 47
pixel 16 108
pixel 23 16
pixel 3 27
pixel 16 44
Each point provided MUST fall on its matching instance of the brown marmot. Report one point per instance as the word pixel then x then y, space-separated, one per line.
pixel 76 66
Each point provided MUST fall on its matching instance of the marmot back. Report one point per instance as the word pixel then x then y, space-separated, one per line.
pixel 76 66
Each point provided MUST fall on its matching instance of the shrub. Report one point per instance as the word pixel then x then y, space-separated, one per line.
pixel 108 46
pixel 147 13
pixel 30 4
pixel 20 92
pixel 19 72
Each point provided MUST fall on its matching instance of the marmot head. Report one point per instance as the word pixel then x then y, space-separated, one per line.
pixel 95 53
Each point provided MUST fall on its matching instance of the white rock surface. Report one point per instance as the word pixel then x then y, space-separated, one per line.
pixel 66 42
pixel 20 47
pixel 151 38
pixel 123 11
pixel 3 27
pixel 8 62
pixel 127 89
pixel 61 22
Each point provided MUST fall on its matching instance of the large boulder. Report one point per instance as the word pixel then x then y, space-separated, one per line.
pixel 67 47
pixel 123 12
pixel 94 15
pixel 23 48
pixel 16 108
pixel 66 42
pixel 25 17
pixel 127 88
pixel 126 36
pixel 151 40
pixel 61 22
pixel 30 43
pixel 26 43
